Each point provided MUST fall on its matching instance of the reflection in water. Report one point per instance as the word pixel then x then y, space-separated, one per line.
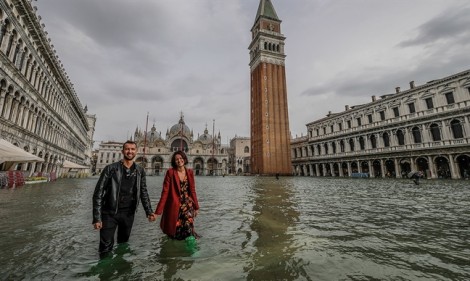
pixel 274 216
pixel 114 266
pixel 175 256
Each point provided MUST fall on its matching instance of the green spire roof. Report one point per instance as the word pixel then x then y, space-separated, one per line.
pixel 266 9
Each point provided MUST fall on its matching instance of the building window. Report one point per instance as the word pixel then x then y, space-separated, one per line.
pixel 349 124
pixel 382 115
pixel 332 128
pixel 340 126
pixel 429 103
pixel 333 146
pixel 435 132
pixel 324 130
pixel 370 118
pixel 400 137
pixel 326 148
pixel 361 143
pixel 318 132
pixel 396 112
pixel 416 135
pixel 456 129
pixel 341 145
pixel 411 106
pixel 373 141
pixel 351 144
pixel 386 139
pixel 319 149
pixel 450 98
pixel 359 123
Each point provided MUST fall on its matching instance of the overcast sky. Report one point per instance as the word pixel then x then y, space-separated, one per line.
pixel 128 59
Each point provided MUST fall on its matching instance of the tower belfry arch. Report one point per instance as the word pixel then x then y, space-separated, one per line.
pixel 270 134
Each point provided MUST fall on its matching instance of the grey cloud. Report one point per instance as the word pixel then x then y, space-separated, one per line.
pixel 453 24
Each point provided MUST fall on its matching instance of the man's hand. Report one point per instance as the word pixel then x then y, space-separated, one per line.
pixel 98 225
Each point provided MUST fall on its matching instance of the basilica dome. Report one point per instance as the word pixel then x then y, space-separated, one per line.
pixel 176 129
pixel 205 138
pixel 153 134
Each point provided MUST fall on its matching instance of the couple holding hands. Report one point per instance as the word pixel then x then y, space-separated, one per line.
pixel 122 185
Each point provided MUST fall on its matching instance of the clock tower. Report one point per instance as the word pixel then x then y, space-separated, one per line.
pixel 270 134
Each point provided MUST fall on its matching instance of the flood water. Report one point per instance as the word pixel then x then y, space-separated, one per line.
pixel 253 228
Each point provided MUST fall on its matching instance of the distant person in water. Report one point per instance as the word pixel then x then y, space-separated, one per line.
pixel 178 203
pixel 415 176
pixel 117 194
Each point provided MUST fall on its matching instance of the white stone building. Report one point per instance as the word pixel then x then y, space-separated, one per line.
pixel 424 128
pixel 240 155
pixel 40 111
pixel 206 154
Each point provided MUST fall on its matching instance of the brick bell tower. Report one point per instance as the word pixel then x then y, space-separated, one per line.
pixel 270 134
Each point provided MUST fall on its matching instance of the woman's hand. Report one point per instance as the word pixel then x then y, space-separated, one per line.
pixel 152 217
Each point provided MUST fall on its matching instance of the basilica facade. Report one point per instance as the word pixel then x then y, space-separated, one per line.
pixel 206 154
pixel 424 128
pixel 40 112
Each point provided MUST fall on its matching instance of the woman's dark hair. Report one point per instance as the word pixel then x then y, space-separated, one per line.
pixel 173 158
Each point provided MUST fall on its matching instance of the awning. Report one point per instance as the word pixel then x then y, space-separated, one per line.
pixel 12 153
pixel 71 165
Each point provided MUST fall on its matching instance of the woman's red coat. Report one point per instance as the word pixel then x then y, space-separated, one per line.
pixel 169 204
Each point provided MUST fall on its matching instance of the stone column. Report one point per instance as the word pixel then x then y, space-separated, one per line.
pixel 466 126
pixel 425 134
pixel 393 139
pixel 445 131
pixel 397 169
pixel 432 167
pixel 413 164
pixel 380 141
pixel 11 55
pixel 454 172
pixel 371 169
pixel 382 168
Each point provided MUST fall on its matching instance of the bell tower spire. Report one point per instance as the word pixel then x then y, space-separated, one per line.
pixel 270 134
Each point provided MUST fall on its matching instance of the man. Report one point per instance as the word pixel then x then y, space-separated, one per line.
pixel 116 197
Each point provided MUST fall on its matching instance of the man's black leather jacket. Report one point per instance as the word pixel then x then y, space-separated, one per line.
pixel 105 197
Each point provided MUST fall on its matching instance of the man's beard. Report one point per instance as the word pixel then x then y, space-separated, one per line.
pixel 129 158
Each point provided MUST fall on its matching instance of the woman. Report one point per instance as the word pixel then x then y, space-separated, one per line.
pixel 178 203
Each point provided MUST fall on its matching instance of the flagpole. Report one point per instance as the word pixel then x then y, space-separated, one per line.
pixel 145 140
pixel 181 131
pixel 213 147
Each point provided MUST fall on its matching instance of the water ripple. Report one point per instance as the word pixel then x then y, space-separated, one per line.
pixel 252 228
